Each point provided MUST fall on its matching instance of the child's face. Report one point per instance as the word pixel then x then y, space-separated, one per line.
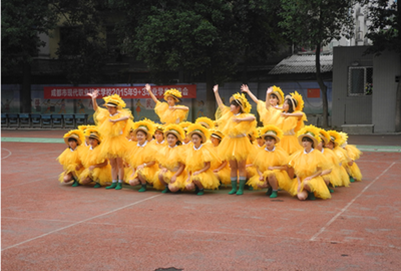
pixel 170 101
pixel 171 140
pixel 72 144
pixel 186 139
pixel 319 146
pixel 112 110
pixel 286 105
pixel 196 139
pixel 141 137
pixel 330 145
pixel 93 142
pixel 215 141
pixel 260 141
pixel 234 108
pixel 273 100
pixel 306 144
pixel 159 136
pixel 270 142
pixel 132 136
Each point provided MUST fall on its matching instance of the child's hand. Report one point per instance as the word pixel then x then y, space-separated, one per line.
pixel 245 88
pixel 147 87
pixel 93 94
pixel 196 173
pixel 269 90
pixel 91 168
pixel 216 88
pixel 173 179
pixel 113 121
pixel 236 120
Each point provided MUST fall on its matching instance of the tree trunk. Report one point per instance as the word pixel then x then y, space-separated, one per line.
pixel 25 93
pixel 323 88
pixel 210 104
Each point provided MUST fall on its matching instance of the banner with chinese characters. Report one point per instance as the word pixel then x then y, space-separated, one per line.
pixel 129 92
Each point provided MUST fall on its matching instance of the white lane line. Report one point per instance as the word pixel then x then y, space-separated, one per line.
pixel 9 153
pixel 348 205
pixel 82 221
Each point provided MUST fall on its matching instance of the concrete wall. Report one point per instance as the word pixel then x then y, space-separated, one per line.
pixel 349 109
pixel 385 68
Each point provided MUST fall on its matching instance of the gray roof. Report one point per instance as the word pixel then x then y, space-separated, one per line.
pixel 303 64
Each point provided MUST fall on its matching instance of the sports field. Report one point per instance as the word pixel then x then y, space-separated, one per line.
pixel 51 226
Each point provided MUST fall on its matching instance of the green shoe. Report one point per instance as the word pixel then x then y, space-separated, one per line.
pixel 250 188
pixel 97 185
pixel 201 192
pixel 75 184
pixel 352 180
pixel 274 194
pixel 166 190
pixel 143 188
pixel 269 191
pixel 119 186
pixel 311 196
pixel 113 185
pixel 234 188
pixel 241 187
pixel 331 190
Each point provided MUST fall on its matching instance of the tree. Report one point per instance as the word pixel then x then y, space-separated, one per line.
pixel 205 38
pixel 21 23
pixel 385 33
pixel 315 23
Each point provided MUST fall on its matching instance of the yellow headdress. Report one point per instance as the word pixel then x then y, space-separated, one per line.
pixel 324 135
pixel 253 134
pixel 216 134
pixel 146 126
pixel 296 100
pixel 185 125
pixel 242 101
pixel 82 128
pixel 175 93
pixel 114 101
pixel 279 93
pixel 259 134
pixel 159 127
pixel 344 138
pixel 176 130
pixel 273 131
pixel 335 137
pixel 206 122
pixel 199 130
pixel 78 135
pixel 93 132
pixel 311 132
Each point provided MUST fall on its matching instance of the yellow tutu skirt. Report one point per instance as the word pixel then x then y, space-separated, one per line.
pixel 283 180
pixel 113 147
pixel 353 152
pixel 316 185
pixel 149 173
pixel 235 148
pixel 290 144
pixel 224 175
pixel 354 171
pixel 179 182
pixel 336 177
pixel 98 175
pixel 251 171
pixel 75 172
pixel 208 179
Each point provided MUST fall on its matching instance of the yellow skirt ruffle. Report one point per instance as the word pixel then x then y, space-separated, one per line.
pixel 290 144
pixel 235 148
pixel 354 171
pixel 98 175
pixel 224 175
pixel 317 186
pixel 208 179
pixel 149 173
pixel 283 180
pixel 179 182
pixel 114 147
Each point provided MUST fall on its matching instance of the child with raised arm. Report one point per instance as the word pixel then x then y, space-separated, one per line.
pixel 236 123
pixel 169 112
pixel 114 125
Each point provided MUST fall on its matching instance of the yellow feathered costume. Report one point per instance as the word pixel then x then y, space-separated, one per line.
pixel 168 115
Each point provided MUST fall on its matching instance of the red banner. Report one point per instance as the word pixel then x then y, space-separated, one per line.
pixel 313 93
pixel 137 92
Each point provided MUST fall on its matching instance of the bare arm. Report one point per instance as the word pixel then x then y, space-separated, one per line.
pixel 245 88
pixel 249 118
pixel 268 92
pixel 182 107
pixel 217 95
pixel 94 95
pixel 220 167
pixel 206 167
pixel 149 90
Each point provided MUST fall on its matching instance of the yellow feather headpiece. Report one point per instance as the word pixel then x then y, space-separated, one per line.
pixel 216 133
pixel 176 130
pixel 344 139
pixel 324 135
pixel 93 132
pixel 144 125
pixel 279 93
pixel 200 130
pixel 296 100
pixel 175 93
pixel 335 137
pixel 159 127
pixel 77 134
pixel 253 134
pixel 185 125
pixel 309 131
pixel 206 122
pixel 258 130
pixel 243 102
pixel 114 100
pixel 273 131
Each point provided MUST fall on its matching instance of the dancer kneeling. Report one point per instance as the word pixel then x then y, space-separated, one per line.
pixel 171 176
pixel 308 165
pixel 198 161
pixel 142 156
pixel 271 163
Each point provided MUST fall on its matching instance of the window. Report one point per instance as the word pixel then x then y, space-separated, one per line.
pixel 360 81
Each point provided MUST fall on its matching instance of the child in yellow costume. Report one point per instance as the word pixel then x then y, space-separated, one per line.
pixel 142 160
pixel 260 141
pixel 250 167
pixel 308 165
pixel 70 158
pixel 292 120
pixel 159 140
pixel 335 145
pixel 171 176
pixel 220 168
pixel 269 110
pixel 186 142
pixel 169 112
pixel 337 176
pixel 271 163
pixel 114 125
pixel 97 168
pixel 84 147
pixel 354 153
pixel 235 123
pixel 198 161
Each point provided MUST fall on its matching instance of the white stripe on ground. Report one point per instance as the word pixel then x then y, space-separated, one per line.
pixel 348 205
pixel 9 153
pixel 82 221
